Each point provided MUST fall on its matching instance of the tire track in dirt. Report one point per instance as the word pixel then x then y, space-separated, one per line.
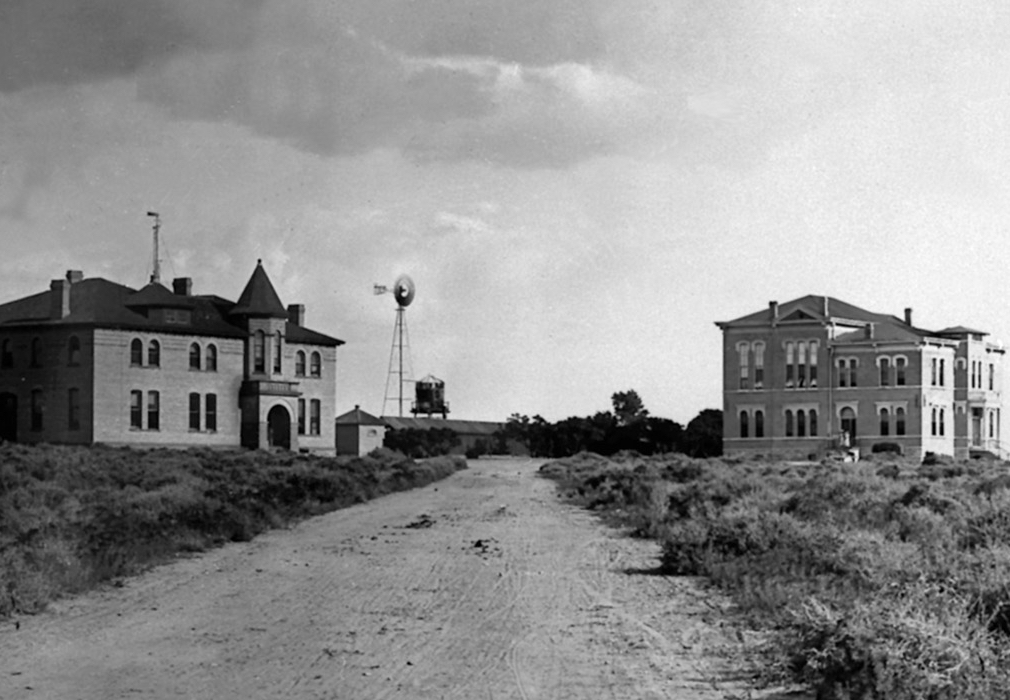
pixel 480 586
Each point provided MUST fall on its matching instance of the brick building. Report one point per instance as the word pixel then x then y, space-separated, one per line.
pixel 92 361
pixel 817 373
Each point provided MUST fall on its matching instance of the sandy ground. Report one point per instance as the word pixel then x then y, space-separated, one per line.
pixel 481 586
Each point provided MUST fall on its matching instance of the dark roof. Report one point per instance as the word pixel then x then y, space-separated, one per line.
pixel 358 417
pixel 812 308
pixel 960 330
pixel 100 303
pixel 259 298
pixel 157 296
pixel 465 427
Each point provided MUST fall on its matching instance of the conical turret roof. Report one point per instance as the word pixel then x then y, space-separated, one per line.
pixel 259 298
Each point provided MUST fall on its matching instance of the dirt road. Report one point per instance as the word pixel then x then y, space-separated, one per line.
pixel 480 586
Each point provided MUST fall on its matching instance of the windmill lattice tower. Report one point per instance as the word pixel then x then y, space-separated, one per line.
pixel 399 354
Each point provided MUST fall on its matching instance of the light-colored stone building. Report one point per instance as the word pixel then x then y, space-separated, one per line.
pixel 93 361
pixel 818 374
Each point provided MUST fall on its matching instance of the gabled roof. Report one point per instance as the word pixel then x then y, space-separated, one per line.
pixel 259 298
pixel 157 296
pixel 358 417
pixel 812 308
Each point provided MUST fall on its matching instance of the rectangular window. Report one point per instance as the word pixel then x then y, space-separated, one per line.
pixel 885 423
pixel 6 354
pixel 153 410
pixel 885 372
pixel 813 367
pixel 992 376
pixel 194 411
pixel 843 373
pixel 37 409
pixel 932 372
pixel 899 418
pixel 899 371
pixel 278 352
pixel 801 362
pixel 259 352
pixel 789 365
pixel 314 417
pixel 301 416
pixel 74 409
pixel 136 409
pixel 210 413
pixel 942 372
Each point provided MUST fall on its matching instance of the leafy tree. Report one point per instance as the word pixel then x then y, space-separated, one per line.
pixel 628 407
pixel 703 436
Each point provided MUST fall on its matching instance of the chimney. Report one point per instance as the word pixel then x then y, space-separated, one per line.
pixel 827 312
pixel 868 331
pixel 183 286
pixel 74 276
pixel 59 299
pixel 773 306
pixel 296 314
pixel 908 315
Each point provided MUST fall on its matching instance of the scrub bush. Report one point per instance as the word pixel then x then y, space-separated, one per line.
pixel 73 517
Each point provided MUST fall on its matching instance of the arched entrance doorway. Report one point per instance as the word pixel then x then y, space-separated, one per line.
pixel 8 417
pixel 279 428
pixel 848 424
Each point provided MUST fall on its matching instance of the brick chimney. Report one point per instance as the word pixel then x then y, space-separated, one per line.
pixel 59 299
pixel 908 315
pixel 773 306
pixel 296 314
pixel 868 331
pixel 74 276
pixel 183 286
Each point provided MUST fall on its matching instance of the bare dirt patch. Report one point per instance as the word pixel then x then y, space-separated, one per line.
pixel 480 586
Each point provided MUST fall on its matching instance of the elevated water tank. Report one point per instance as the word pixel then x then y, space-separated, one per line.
pixel 429 397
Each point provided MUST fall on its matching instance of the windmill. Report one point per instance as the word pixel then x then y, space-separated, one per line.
pixel 399 353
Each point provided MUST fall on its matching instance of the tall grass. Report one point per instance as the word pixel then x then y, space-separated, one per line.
pixel 883 579
pixel 73 517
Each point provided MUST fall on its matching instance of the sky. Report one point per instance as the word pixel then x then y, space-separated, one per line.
pixel 579 189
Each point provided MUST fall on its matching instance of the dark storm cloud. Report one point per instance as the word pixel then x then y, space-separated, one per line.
pixel 72 41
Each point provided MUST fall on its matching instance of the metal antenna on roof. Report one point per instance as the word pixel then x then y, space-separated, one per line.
pixel 156 270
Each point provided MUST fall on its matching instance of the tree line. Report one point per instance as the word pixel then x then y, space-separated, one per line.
pixel 629 426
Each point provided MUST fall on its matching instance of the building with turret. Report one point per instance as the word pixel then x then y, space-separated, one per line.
pixel 818 374
pixel 93 361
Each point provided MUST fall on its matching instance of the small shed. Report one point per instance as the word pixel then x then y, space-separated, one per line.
pixel 358 432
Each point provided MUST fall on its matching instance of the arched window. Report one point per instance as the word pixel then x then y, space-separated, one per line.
pixel 36 356
pixel 932 422
pixel 300 364
pixel 6 354
pixel 259 352
pixel 315 365
pixel 899 371
pixel 813 423
pixel 789 423
pixel 885 422
pixel 194 356
pixel 74 351
pixel 942 412
pixel 743 424
pixel 848 421
pixel 136 352
pixel 210 357
pixel 843 372
pixel 154 353
pixel 278 351
pixel 885 371
pixel 801 424
pixel 942 373
pixel 759 365
pixel 899 421
pixel 759 424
